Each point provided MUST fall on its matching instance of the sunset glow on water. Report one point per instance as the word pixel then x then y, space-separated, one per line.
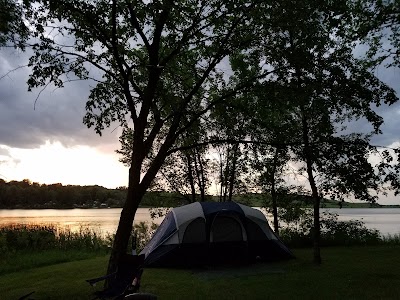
pixel 104 221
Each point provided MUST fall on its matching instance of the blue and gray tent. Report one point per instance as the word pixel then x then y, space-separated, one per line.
pixel 211 233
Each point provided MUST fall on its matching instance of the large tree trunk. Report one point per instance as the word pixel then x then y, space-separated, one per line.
pixel 124 230
pixel 232 174
pixel 225 175
pixel 190 177
pixel 274 195
pixel 309 163
pixel 314 190
pixel 317 227
pixel 221 177
pixel 317 231
pixel 201 177
pixel 275 213
pixel 138 186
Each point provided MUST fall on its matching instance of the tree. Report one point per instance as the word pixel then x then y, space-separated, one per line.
pixel 12 27
pixel 328 87
pixel 271 167
pixel 231 166
pixel 377 24
pixel 184 172
pixel 157 66
pixel 321 87
pixel 230 129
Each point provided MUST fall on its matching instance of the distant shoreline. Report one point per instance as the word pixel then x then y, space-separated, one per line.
pixel 351 205
pixel 30 195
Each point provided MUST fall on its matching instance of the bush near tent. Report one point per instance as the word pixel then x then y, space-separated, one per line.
pixel 213 233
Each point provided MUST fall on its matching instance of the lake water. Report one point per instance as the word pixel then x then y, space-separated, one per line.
pixel 102 220
pixel 386 220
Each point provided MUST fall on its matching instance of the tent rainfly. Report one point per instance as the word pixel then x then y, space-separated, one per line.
pixel 204 233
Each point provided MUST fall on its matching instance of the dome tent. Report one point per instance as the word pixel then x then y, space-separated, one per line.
pixel 211 233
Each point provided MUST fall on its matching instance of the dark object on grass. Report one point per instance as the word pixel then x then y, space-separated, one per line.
pixel 126 280
pixel 26 297
pixel 211 233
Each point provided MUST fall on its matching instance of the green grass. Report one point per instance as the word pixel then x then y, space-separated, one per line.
pixel 60 281
pixel 25 260
pixel 346 273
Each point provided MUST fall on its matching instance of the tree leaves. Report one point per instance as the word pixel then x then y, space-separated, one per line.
pixel 12 26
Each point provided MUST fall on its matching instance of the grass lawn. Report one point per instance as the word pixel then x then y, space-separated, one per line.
pixel 346 273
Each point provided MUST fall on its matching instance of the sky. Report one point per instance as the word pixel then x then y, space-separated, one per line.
pixel 43 138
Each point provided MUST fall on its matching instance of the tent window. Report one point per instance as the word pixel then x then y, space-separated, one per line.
pixel 195 232
pixel 226 229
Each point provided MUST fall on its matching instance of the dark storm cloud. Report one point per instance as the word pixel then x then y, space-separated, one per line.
pixel 390 127
pixel 56 116
pixel 58 112
pixel 390 114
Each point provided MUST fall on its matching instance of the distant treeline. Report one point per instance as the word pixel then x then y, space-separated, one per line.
pixel 31 195
pixel 27 194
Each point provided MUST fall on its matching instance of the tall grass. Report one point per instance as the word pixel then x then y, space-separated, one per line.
pixel 28 246
pixel 391 239
pixel 15 238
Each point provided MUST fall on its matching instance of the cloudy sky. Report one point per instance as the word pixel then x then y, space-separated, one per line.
pixel 47 142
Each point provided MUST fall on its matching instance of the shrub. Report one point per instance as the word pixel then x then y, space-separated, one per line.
pixel 143 233
pixel 298 223
pixel 297 231
pixel 352 232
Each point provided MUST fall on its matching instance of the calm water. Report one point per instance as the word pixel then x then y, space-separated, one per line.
pixel 103 220
pixel 386 220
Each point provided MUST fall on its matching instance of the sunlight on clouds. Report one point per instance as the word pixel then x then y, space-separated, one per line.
pixel 53 163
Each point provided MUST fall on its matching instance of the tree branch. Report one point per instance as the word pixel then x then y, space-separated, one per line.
pixel 223 97
pixel 135 23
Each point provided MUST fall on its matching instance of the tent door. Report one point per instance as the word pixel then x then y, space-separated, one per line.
pixel 228 240
pixel 227 228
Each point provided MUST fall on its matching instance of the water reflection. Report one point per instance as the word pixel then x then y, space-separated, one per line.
pixel 102 220
pixel 105 221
